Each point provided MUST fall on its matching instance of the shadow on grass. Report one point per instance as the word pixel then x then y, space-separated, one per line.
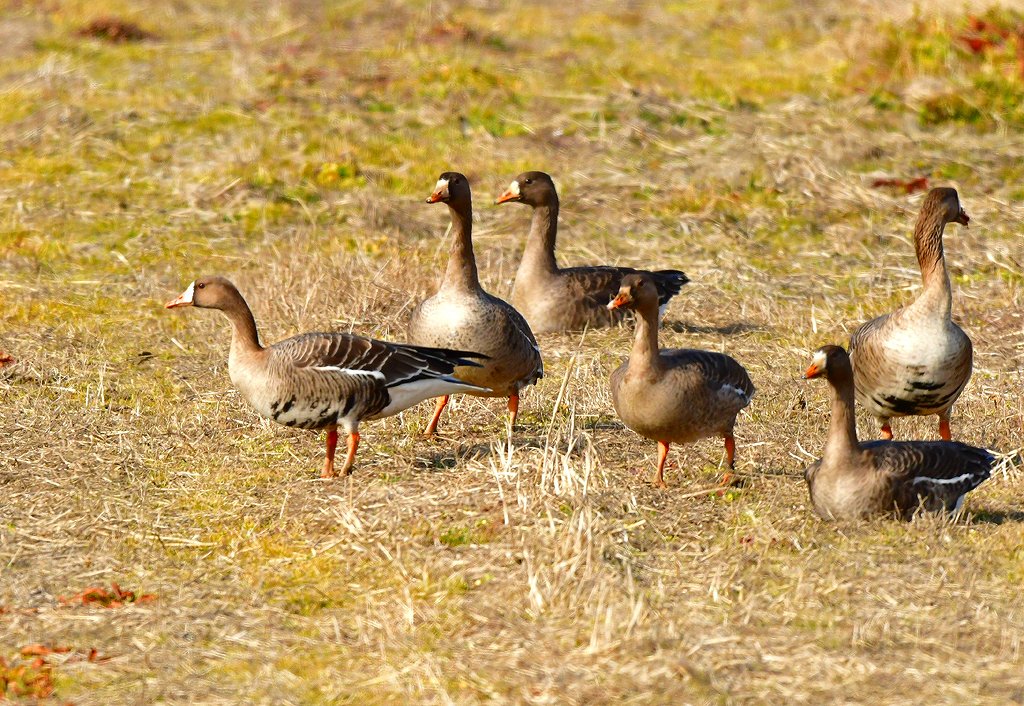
pixel 727 330
pixel 996 517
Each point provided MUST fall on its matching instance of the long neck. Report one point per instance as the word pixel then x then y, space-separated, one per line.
pixel 645 344
pixel 244 337
pixel 540 244
pixel 461 270
pixel 937 294
pixel 842 429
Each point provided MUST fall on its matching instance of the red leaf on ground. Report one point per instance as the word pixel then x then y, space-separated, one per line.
pixel 114 29
pixel 908 186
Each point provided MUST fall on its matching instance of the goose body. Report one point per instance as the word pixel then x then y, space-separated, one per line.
pixel 916 360
pixel 462 314
pixel 854 480
pixel 674 395
pixel 326 380
pixel 555 299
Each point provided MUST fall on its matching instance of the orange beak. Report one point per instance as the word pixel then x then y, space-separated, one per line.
pixel 509 195
pixel 435 197
pixel 183 299
pixel 962 218
pixel 620 300
pixel 813 371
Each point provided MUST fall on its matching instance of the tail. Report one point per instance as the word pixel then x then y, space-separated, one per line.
pixel 669 282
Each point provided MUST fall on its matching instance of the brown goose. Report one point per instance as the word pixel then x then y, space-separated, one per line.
pixel 916 361
pixel 326 380
pixel 556 299
pixel 674 395
pixel 463 315
pixel 854 480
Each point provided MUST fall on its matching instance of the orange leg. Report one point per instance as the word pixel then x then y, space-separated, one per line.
pixel 659 478
pixel 513 411
pixel 886 430
pixel 350 457
pixel 442 402
pixel 730 458
pixel 332 444
pixel 944 429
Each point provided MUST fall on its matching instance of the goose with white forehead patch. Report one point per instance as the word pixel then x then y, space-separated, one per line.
pixel 674 395
pixel 327 380
pixel 916 361
pixel 854 480
pixel 566 299
pixel 462 315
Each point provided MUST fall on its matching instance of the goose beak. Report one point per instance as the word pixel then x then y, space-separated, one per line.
pixel 183 299
pixel 962 218
pixel 813 371
pixel 509 195
pixel 620 300
pixel 435 197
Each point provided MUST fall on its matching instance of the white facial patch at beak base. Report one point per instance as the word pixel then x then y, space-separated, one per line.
pixel 818 361
pixel 441 187
pixel 189 295
pixel 513 188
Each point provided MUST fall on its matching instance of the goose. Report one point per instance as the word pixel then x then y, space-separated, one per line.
pixel 916 361
pixel 854 480
pixel 556 299
pixel 326 380
pixel 674 395
pixel 462 315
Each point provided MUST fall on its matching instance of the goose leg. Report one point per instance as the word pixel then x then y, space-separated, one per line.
pixel 513 411
pixel 730 458
pixel 944 428
pixel 659 478
pixel 332 444
pixel 442 402
pixel 350 457
pixel 886 430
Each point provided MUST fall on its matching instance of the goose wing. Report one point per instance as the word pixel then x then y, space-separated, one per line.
pixel 598 284
pixel 934 474
pixel 393 363
pixel 717 369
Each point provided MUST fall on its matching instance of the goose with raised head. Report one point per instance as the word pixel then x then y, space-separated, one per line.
pixel 674 395
pixel 566 299
pixel 916 361
pixel 462 315
pixel 327 380
pixel 854 480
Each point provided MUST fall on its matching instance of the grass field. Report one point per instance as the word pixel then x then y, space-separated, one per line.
pixel 290 146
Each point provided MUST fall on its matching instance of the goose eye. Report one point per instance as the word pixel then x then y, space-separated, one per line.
pixel 527 181
pixel 201 285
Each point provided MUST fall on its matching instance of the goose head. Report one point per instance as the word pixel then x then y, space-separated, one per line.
pixel 452 188
pixel 946 201
pixel 531 188
pixel 208 293
pixel 636 292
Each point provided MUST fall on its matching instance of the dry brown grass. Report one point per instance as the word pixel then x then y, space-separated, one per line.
pixel 538 569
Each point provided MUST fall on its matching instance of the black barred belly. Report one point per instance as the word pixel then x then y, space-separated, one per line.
pixel 921 396
pixel 310 414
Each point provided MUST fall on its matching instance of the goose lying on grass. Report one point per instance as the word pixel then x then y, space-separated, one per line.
pixel 556 299
pixel 854 480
